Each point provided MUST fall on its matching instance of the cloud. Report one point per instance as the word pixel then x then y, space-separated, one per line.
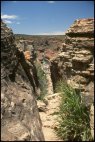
pixel 5 16
pixel 53 33
pixel 8 21
pixel 51 1
pixel 11 22
pixel 18 23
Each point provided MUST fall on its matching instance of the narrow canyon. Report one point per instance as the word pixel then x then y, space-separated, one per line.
pixel 31 68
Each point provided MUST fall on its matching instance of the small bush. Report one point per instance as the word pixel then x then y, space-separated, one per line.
pixel 73 117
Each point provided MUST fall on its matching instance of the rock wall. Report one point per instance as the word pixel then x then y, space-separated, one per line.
pixel 81 42
pixel 27 45
pixel 19 113
pixel 46 68
pixel 26 48
pixel 75 62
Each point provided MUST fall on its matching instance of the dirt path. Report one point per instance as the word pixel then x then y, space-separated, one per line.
pixel 48 117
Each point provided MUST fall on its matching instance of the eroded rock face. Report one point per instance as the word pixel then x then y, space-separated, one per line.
pixel 76 60
pixel 81 28
pixel 19 113
pixel 27 46
pixel 81 40
pixel 46 68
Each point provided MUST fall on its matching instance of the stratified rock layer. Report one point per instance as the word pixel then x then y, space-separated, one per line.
pixel 19 113
pixel 81 27
pixel 75 62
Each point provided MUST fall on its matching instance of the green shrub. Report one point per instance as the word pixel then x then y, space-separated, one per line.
pixel 42 81
pixel 73 117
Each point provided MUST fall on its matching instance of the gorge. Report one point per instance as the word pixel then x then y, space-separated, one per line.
pixel 69 58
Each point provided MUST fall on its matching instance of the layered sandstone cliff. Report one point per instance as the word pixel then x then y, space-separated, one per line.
pixel 19 113
pixel 75 62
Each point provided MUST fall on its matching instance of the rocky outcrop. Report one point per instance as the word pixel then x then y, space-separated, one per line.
pixel 81 28
pixel 81 39
pixel 76 60
pixel 19 113
pixel 46 68
pixel 26 47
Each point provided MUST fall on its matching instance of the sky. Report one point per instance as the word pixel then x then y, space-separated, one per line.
pixel 44 17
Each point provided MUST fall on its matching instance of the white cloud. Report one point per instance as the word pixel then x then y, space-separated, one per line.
pixel 51 1
pixel 11 22
pixel 5 16
pixel 8 21
pixel 18 23
pixel 53 33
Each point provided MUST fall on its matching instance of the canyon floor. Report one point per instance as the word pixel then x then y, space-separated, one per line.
pixel 48 115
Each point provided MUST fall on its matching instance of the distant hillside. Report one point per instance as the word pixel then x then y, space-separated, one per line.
pixel 33 37
pixel 43 41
